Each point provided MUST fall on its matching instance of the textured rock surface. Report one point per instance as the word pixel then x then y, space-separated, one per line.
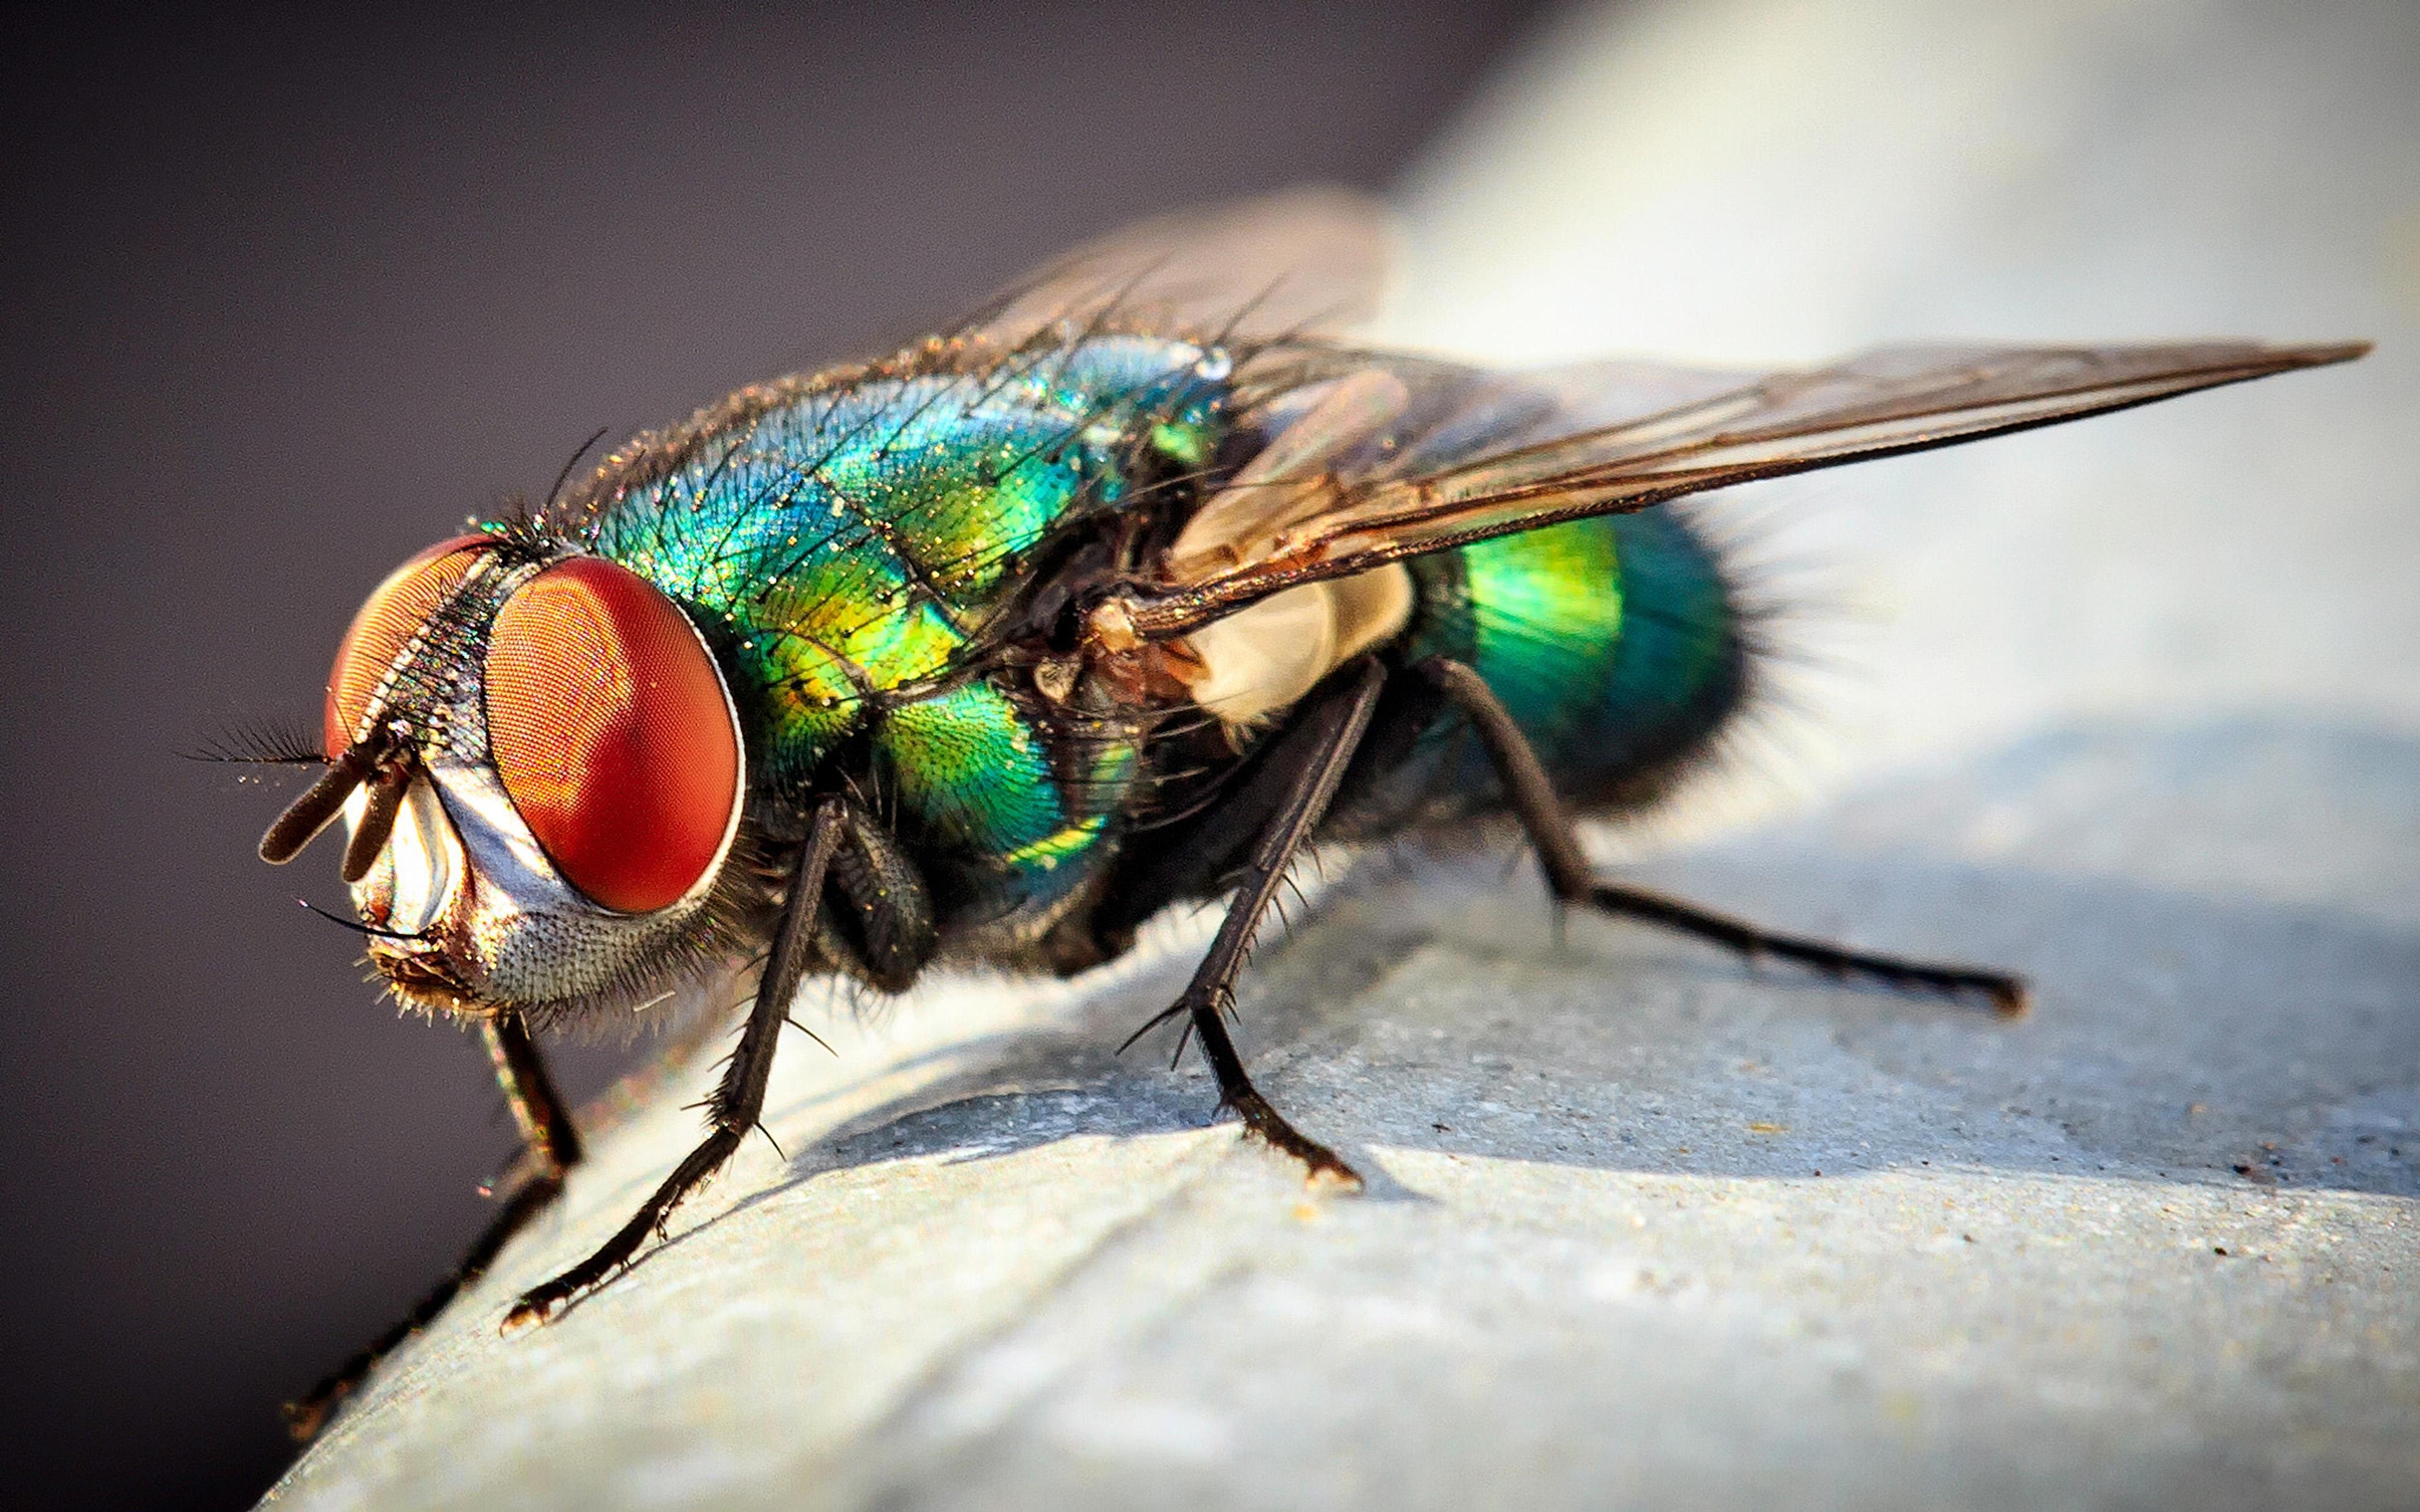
pixel 2131 706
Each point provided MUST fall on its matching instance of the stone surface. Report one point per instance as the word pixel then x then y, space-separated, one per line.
pixel 2131 706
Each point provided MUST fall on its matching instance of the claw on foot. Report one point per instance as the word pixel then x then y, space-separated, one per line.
pixel 1322 1167
pixel 528 1312
pixel 1338 1175
pixel 306 1418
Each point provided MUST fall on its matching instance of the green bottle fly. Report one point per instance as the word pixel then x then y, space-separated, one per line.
pixel 1118 596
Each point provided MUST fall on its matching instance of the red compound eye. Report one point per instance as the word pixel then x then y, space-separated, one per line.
pixel 609 726
pixel 393 613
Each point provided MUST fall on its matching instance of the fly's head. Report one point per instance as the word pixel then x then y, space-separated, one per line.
pixel 541 774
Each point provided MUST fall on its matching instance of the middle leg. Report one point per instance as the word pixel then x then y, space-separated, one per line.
pixel 1331 733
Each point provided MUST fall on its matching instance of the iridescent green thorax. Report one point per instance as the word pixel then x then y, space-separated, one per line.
pixel 840 540
pixel 846 542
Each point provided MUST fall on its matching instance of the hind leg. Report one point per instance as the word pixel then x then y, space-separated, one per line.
pixel 1532 798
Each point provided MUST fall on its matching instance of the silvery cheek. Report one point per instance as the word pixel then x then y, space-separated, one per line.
pixel 418 873
pixel 462 870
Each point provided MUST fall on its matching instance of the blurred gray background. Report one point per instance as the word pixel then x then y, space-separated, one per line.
pixel 288 296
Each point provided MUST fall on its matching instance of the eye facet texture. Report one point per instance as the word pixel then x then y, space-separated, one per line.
pixel 607 724
pixel 392 615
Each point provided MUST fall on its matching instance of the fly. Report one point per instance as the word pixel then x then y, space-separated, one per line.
pixel 1119 595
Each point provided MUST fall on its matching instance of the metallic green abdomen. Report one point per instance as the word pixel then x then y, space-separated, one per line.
pixel 1615 642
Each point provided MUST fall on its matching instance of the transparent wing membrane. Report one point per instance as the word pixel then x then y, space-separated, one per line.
pixel 1299 262
pixel 1447 456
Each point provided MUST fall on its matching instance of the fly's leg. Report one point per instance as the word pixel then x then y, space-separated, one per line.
pixel 1326 741
pixel 1533 801
pixel 739 1098
pixel 2005 991
pixel 552 1147
pixel 880 925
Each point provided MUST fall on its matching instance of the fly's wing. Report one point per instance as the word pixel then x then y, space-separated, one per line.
pixel 1338 419
pixel 1395 460
pixel 1301 261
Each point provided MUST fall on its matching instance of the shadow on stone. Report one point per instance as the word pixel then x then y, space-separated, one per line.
pixel 2186 1029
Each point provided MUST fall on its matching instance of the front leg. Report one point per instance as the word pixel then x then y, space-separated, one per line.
pixel 739 1098
pixel 1532 798
pixel 1318 751
pixel 552 1147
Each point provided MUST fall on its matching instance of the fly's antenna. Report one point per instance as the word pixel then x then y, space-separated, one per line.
pixel 319 805
pixel 342 923
pixel 378 763
pixel 378 819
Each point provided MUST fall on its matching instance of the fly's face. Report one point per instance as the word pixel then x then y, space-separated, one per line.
pixel 540 771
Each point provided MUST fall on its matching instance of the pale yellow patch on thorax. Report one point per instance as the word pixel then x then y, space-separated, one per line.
pixel 1266 655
